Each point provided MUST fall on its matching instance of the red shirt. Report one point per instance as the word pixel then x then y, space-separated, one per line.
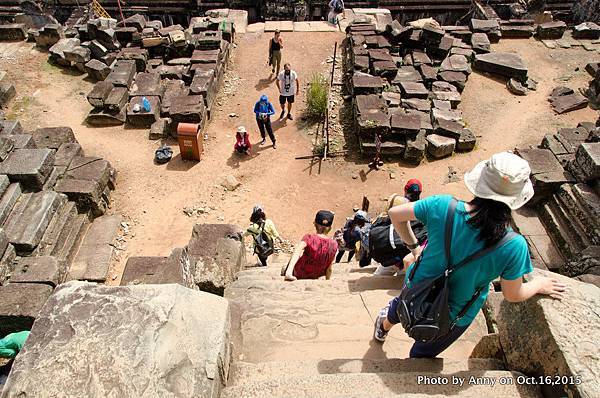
pixel 317 257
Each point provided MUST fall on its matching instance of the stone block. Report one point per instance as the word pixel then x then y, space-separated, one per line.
pixel 365 104
pixel 385 69
pixel 30 167
pixel 217 254
pixel 86 193
pixel 392 99
pixel 42 269
pixel 103 117
pixel 439 146
pixel 517 31
pixel 91 169
pixel 117 99
pixel 66 153
pixel 504 64
pixel 20 304
pixel 205 56
pixel 428 72
pixel 172 360
pixel 126 35
pixel 173 89
pixel 146 84
pixel 97 70
pixel 136 21
pixel 415 148
pixel 587 160
pixel 78 54
pixel 7 93
pixel 99 93
pixel 142 118
pixel 466 142
pixel 418 104
pixel 10 127
pixel 407 74
pixel 159 270
pixel 53 137
pixel 23 141
pixel 533 338
pixel 413 90
pixel 188 109
pixel 97 250
pixel 122 73
pixel 567 103
pixel 586 30
pixel 491 27
pixel 457 79
pixel 7 144
pixel 29 218
pixel 7 263
pixel 406 124
pixel 139 55
pixel 8 200
pixel 453 115
pixel 480 43
pixel 456 63
pixel 13 32
pixel 363 83
pixel 375 122
pixel 57 51
pixel 551 30
pixel 361 64
pixel 451 96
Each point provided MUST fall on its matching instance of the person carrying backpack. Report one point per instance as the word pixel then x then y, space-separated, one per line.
pixel 351 234
pixel 264 234
pixel 335 7
pixel 469 245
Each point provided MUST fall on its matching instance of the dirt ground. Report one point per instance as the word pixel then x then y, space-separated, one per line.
pixel 152 197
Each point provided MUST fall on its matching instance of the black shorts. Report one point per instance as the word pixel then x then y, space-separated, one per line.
pixel 288 98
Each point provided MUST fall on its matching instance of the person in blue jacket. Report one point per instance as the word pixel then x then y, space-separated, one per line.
pixel 263 110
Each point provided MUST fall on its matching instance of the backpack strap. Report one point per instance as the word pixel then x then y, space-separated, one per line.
pixel 448 236
pixel 480 253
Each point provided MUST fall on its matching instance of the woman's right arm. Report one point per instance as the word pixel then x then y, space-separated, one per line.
pixel 298 251
pixel 516 291
pixel 401 216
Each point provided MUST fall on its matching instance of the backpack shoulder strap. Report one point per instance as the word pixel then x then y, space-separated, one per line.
pixel 508 236
pixel 447 235
pixel 448 231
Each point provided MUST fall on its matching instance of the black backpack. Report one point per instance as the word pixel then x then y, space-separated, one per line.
pixel 386 246
pixel 423 308
pixel 263 244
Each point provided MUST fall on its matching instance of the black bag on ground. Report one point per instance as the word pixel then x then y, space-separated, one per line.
pixel 263 244
pixel 423 308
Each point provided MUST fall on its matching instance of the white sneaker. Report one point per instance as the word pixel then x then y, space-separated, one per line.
pixel 386 271
pixel 379 334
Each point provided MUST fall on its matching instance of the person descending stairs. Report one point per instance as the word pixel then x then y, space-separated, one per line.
pixel 314 338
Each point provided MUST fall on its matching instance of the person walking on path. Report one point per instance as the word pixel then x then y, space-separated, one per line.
pixel 263 110
pixel 264 234
pixel 336 7
pixel 288 85
pixel 313 256
pixel 499 185
pixel 275 46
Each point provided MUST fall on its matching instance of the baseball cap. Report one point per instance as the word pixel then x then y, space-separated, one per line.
pixel 324 218
pixel 413 186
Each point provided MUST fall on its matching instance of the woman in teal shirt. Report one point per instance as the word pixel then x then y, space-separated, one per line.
pixel 500 184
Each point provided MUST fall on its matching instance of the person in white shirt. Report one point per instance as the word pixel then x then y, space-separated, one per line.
pixel 288 85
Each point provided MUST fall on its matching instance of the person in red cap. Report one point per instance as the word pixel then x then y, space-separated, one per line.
pixel 413 189
pixel 313 256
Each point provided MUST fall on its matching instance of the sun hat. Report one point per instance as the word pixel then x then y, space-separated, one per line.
pixel 504 178
pixel 241 129
pixel 324 218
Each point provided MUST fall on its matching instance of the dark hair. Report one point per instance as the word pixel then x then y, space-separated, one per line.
pixel 321 229
pixel 491 218
pixel 258 216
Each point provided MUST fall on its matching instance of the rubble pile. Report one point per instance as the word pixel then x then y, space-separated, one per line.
pixel 50 196
pixel 148 76
pixel 565 171
pixel 406 83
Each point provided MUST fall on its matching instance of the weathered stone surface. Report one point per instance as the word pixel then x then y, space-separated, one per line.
pixel 7 144
pixel 489 26
pixel 363 83
pixel 170 359
pixel 567 103
pixel 53 137
pixel 117 99
pixel 418 104
pixel 505 64
pixel 30 167
pixel 413 90
pixel 466 142
pixel 7 263
pixel 9 198
pixel 188 109
pixel 42 269
pixel 97 70
pixel 96 252
pixel 10 127
pixel 92 169
pixel 57 51
pixel 488 347
pixel 453 115
pixel 480 43
pixel 405 124
pixel 217 254
pixel 159 270
pixel 415 148
pixel 586 30
pixel 439 146
pixel 13 32
pixel 139 55
pixel 456 63
pixel 122 73
pixel 407 74
pixel 7 93
pixel 551 30
pixel 87 194
pixel 143 118
pixel 457 79
pixel 30 217
pixel 20 304
pixel 392 99
pixel 534 338
pixel 99 93
pixel 173 89
pixel 517 31
pixel 374 122
pixel 587 160
pixel 146 84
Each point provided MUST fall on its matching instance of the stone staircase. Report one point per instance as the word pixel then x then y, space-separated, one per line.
pixel 313 338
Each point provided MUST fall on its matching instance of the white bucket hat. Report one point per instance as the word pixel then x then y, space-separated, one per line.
pixel 241 129
pixel 504 178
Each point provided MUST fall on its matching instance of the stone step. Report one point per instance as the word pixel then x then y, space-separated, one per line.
pixel 572 225
pixel 319 320
pixel 30 217
pixel 385 384
pixel 9 198
pixel 95 255
pixel 243 371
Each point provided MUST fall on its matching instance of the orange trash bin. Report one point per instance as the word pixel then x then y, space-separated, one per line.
pixel 190 141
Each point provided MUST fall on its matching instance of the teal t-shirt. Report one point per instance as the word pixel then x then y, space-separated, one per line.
pixel 12 344
pixel 510 261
